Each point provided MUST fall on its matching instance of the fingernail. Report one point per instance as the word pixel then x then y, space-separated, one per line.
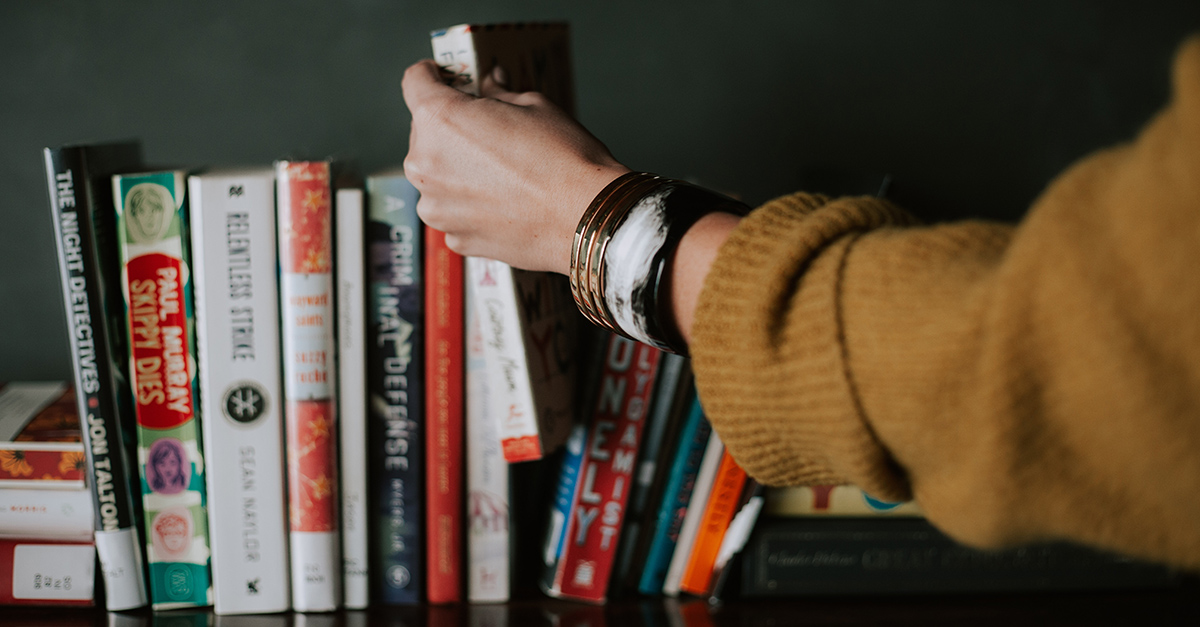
pixel 500 76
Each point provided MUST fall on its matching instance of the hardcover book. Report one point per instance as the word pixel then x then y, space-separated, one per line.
pixel 694 514
pixel 594 528
pixel 723 503
pixel 444 415
pixel 80 184
pixel 154 250
pixel 529 318
pixel 47 572
pixel 46 513
pixel 40 440
pixel 237 328
pixel 396 378
pixel 351 280
pixel 305 233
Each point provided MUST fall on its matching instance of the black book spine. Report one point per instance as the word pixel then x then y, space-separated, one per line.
pixel 81 204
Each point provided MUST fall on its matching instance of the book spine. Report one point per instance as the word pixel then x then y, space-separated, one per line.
pixel 352 394
pixel 395 376
pixel 594 529
pixel 444 359
pixel 42 465
pixel 659 429
pixel 833 500
pixel 310 414
pixel 83 223
pixel 40 572
pixel 46 513
pixel 237 328
pixel 718 513
pixel 562 504
pixel 701 492
pixel 152 228
pixel 488 498
pixel 676 495
pixel 792 556
pixel 492 285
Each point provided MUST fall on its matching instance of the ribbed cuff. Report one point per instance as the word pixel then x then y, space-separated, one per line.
pixel 768 353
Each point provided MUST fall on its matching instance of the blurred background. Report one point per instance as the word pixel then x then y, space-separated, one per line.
pixel 970 107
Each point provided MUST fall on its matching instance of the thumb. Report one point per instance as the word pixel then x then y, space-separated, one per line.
pixel 495 85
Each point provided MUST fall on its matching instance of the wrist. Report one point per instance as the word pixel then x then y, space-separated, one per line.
pixel 623 253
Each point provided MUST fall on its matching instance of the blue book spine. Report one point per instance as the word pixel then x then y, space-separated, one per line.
pixel 678 493
pixel 395 380
pixel 564 496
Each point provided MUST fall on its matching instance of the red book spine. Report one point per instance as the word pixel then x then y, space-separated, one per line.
pixel 47 572
pixel 445 363
pixel 594 528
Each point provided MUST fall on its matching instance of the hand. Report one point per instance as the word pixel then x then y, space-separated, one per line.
pixel 505 176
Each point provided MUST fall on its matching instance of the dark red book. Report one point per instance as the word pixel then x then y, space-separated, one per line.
pixel 445 361
pixel 606 473
pixel 47 572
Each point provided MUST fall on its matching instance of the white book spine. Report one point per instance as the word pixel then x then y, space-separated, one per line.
pixel 352 394
pixel 35 513
pixel 694 515
pixel 488 490
pixel 237 320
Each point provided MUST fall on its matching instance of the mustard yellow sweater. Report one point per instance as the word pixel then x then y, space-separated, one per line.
pixel 1021 382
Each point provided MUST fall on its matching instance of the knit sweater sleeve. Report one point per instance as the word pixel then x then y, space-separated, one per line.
pixel 1022 382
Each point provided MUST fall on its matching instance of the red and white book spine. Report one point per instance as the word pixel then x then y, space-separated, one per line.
pixel 40 437
pixel 309 373
pixel 594 526
pixel 352 393
pixel 53 513
pixel 237 328
pixel 445 366
pixel 694 515
pixel 47 572
pixel 488 496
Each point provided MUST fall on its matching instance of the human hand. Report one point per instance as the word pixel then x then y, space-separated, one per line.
pixel 505 176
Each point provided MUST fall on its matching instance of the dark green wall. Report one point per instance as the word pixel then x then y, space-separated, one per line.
pixel 971 106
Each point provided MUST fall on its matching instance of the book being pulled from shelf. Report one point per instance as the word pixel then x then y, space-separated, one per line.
pixel 529 319
pixel 237 327
pixel 154 250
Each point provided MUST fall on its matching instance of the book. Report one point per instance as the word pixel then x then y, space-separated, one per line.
pixel 47 572
pixel 723 503
pixel 804 556
pixel 832 500
pixel 40 439
pixel 237 330
pixel 489 501
pixel 701 491
pixel 395 376
pixel 529 319
pixel 155 252
pixel 46 513
pixel 594 526
pixel 350 278
pixel 79 179
pixel 676 495
pixel 444 415
pixel 671 397
pixel 305 228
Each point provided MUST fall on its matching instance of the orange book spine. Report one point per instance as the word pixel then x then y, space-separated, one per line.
pixel 722 505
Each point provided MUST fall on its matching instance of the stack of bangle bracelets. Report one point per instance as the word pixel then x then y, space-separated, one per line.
pixel 623 249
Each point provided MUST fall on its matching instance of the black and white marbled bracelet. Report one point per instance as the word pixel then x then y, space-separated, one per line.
pixel 625 244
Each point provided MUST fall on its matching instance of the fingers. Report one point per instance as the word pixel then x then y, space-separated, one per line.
pixel 423 85
pixel 495 85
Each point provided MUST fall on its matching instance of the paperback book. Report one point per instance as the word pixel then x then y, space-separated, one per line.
pixel 81 202
pixel 154 250
pixel 237 327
